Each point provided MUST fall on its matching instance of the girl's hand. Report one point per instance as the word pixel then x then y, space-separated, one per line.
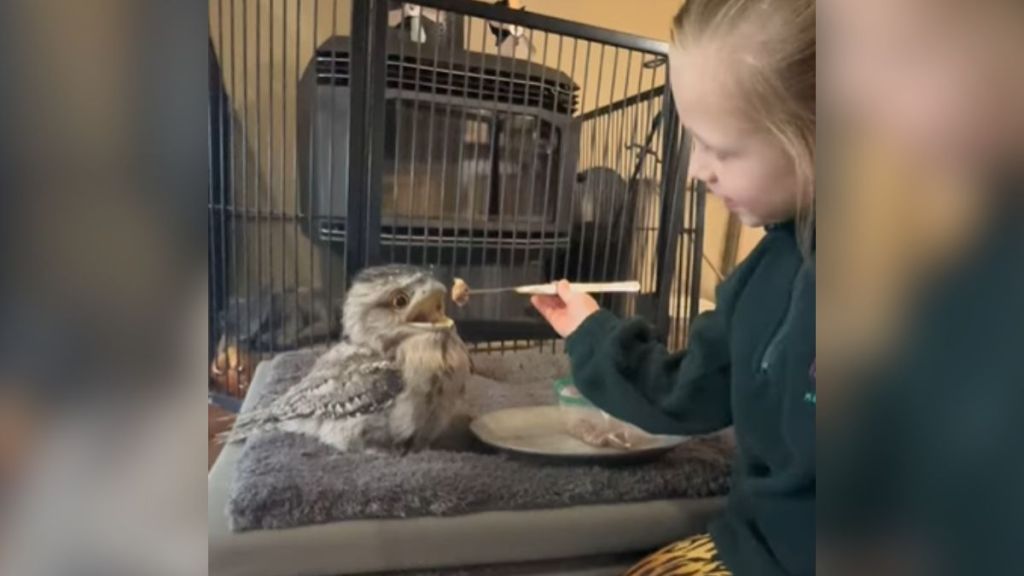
pixel 566 311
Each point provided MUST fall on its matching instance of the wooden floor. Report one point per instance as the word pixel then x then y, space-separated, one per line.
pixel 219 421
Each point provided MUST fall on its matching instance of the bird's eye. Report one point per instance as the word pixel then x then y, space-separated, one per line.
pixel 400 300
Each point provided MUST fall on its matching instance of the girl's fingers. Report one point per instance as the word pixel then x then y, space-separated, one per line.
pixel 564 290
pixel 543 302
pixel 547 310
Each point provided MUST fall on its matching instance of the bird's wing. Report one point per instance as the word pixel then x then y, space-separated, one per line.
pixel 343 383
pixel 347 381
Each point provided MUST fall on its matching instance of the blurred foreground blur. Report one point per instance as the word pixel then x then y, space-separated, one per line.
pixel 102 344
pixel 921 301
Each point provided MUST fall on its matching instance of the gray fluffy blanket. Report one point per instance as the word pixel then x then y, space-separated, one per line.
pixel 285 480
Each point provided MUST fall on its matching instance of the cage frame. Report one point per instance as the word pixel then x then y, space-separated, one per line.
pixel 366 156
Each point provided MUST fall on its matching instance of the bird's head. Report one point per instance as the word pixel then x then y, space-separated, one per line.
pixel 387 304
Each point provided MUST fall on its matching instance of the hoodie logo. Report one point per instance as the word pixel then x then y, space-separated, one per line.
pixel 812 397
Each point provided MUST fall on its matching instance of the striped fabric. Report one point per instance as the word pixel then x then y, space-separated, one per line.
pixel 695 556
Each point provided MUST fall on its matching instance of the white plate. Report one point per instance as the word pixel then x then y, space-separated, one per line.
pixel 540 431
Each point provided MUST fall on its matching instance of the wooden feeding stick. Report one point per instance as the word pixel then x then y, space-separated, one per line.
pixel 461 290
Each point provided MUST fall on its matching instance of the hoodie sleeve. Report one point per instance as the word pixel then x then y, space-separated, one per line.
pixel 620 367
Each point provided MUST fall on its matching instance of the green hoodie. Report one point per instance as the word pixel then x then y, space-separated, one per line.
pixel 930 454
pixel 749 363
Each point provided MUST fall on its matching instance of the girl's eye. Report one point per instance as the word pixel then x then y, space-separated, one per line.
pixel 400 300
pixel 719 154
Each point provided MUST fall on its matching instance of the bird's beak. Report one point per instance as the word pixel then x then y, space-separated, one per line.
pixel 428 313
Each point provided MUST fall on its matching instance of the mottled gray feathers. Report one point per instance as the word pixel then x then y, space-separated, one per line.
pixel 346 381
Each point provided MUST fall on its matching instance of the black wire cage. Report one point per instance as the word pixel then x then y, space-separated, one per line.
pixel 496 145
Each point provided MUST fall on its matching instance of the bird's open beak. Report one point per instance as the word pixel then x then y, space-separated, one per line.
pixel 428 313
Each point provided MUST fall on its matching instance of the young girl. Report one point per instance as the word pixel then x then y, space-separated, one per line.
pixel 743 78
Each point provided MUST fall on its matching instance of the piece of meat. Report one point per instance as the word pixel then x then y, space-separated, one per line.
pixel 591 433
pixel 460 292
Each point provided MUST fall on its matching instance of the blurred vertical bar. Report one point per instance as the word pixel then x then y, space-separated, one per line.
pixel 499 133
pixel 410 219
pixel 282 337
pixel 671 213
pixel 537 141
pixel 493 159
pixel 628 194
pixel 446 132
pixel 678 313
pixel 258 160
pixel 645 159
pixel 360 137
pixel 503 144
pixel 430 150
pixel 296 209
pixel 606 139
pixel 314 180
pixel 244 217
pixel 211 115
pixel 236 221
pixel 537 132
pixel 269 230
pixel 328 247
pixel 376 126
pixel 224 165
pixel 462 146
pixel 653 125
pixel 585 189
pixel 699 197
pixel 549 253
pixel 510 123
pixel 396 169
pixel 573 192
pixel 687 242
pixel 480 126
pixel 612 196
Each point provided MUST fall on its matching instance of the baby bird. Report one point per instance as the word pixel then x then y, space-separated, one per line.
pixel 393 383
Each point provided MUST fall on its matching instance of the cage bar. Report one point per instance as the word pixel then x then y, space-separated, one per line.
pixel 497 145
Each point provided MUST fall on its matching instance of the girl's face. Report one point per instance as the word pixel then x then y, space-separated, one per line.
pixel 741 162
pixel 939 79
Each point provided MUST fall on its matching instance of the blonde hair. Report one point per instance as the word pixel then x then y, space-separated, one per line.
pixel 776 48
